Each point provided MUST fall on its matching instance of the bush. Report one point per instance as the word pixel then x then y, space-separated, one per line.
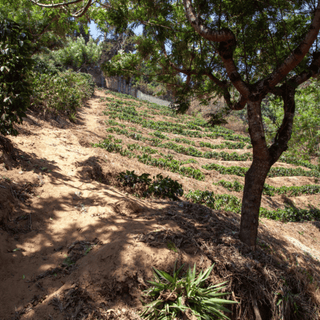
pixel 15 68
pixel 166 187
pixel 160 187
pixel 61 91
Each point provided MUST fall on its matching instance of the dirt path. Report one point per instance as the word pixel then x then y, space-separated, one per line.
pixel 72 245
pixel 64 204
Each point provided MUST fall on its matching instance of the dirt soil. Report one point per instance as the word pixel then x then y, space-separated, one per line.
pixel 76 245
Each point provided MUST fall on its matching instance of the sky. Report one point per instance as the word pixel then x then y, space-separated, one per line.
pixel 95 33
pixel 93 30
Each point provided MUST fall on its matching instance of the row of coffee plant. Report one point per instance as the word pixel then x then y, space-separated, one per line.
pixel 292 191
pixel 233 204
pixel 274 172
pixel 195 123
pixel 167 162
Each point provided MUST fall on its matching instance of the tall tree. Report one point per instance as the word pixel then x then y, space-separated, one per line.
pixel 241 49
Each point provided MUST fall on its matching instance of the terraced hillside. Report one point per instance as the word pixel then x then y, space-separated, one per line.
pixel 87 209
pixel 209 162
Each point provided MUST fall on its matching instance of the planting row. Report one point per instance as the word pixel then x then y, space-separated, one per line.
pixel 127 114
pixel 292 191
pixel 274 172
pixel 168 188
pixel 191 128
pixel 233 204
pixel 167 162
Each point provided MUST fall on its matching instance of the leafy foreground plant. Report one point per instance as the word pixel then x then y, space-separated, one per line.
pixel 160 187
pixel 187 296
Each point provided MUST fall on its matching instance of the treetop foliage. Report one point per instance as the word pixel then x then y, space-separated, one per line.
pixel 215 44
pixel 76 54
pixel 47 28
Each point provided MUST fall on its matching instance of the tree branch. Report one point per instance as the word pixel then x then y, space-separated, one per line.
pixel 227 43
pixel 224 35
pixel 284 132
pixel 45 28
pixel 105 5
pixel 82 11
pixel 299 53
pixel 314 70
pixel 295 81
pixel 55 5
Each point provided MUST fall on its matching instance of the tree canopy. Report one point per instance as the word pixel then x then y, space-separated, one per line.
pixel 47 29
pixel 243 50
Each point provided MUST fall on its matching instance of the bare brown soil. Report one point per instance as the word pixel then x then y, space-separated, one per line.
pixel 74 244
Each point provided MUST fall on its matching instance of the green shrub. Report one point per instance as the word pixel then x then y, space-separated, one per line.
pixel 166 187
pixel 63 91
pixel 202 197
pixel 15 68
pixel 160 187
pixel 77 54
pixel 129 178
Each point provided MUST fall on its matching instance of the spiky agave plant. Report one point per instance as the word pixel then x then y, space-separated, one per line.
pixel 175 297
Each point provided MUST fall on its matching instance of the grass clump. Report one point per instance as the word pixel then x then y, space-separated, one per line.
pixel 186 297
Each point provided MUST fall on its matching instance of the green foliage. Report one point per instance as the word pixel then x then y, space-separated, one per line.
pixel 274 172
pixel 305 136
pixel 292 214
pixel 174 297
pixel 231 186
pixel 233 204
pixel 227 144
pixel 47 28
pixel 184 140
pixel 165 187
pixel 159 135
pixel 64 91
pixel 218 202
pixel 172 165
pixel 238 171
pixel 182 149
pixel 160 187
pixel 15 68
pixel 76 54
pixel 129 178
pixel 227 156
pixel 202 197
pixel 108 145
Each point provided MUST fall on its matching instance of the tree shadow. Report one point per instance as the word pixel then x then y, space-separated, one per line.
pixel 92 249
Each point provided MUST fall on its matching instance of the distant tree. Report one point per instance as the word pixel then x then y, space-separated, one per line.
pixel 241 49
pixel 76 54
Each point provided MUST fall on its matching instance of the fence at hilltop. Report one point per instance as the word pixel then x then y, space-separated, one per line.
pixel 119 84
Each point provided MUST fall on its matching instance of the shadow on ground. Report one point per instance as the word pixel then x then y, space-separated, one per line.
pixel 92 250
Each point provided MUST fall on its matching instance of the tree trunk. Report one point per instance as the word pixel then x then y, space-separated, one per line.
pixel 254 182
pixel 263 159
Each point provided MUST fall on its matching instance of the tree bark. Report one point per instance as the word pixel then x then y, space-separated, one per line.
pixel 263 159
pixel 254 182
pixel 256 175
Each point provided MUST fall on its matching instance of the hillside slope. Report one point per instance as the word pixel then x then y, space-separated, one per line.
pixel 77 244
